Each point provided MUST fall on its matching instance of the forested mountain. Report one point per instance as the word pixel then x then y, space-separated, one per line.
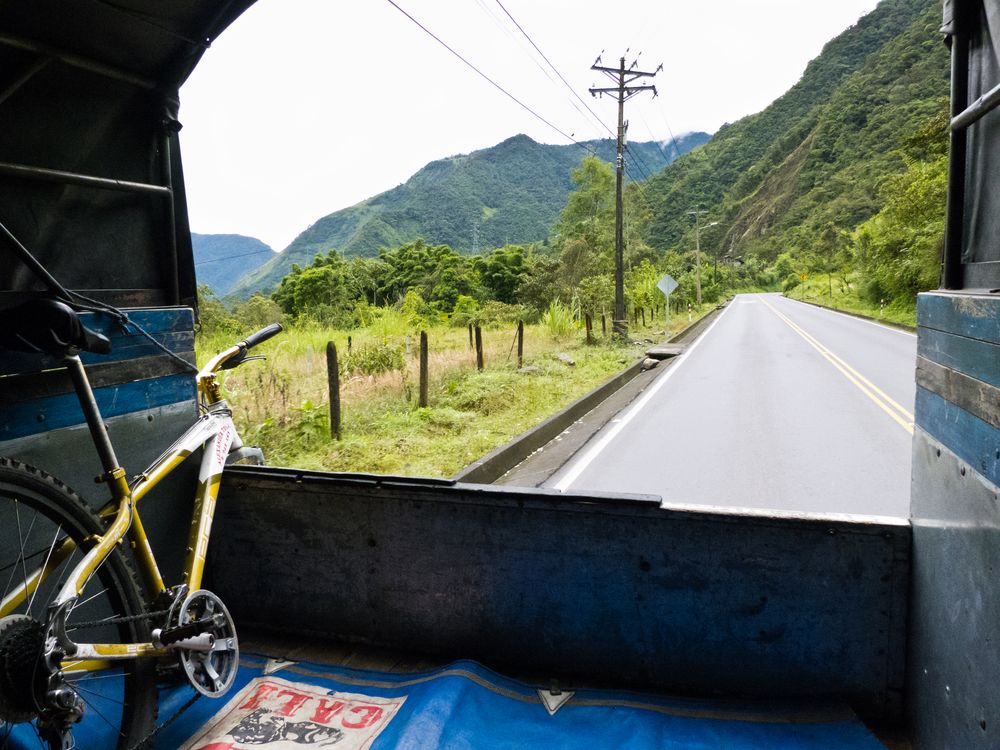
pixel 805 173
pixel 510 193
pixel 221 259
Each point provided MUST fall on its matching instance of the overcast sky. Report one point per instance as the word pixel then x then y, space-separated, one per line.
pixel 304 107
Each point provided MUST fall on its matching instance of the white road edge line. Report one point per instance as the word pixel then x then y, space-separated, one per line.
pixel 580 465
pixel 881 326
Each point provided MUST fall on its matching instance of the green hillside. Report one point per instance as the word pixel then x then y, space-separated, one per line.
pixel 221 259
pixel 508 194
pixel 803 174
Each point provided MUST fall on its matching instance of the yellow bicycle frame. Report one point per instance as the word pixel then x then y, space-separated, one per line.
pixel 214 431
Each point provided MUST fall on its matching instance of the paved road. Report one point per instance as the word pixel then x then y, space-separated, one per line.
pixel 778 405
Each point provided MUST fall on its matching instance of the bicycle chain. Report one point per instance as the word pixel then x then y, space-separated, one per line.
pixel 143 743
pixel 120 620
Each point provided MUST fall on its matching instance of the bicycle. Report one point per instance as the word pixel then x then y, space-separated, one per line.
pixel 91 663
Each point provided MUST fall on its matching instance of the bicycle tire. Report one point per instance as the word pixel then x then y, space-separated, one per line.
pixel 33 504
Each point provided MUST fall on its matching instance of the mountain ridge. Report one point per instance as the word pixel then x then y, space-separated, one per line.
pixel 509 193
pixel 221 259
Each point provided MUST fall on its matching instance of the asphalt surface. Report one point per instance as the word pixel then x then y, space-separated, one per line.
pixel 778 405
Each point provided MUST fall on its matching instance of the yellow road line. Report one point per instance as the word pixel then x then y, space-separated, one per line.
pixel 900 415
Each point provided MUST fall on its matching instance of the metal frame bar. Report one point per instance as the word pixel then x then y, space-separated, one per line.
pixel 77 61
pixel 75 178
pixel 28 74
pixel 951 270
pixel 978 109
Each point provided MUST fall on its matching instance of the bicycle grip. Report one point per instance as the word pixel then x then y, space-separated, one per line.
pixel 262 335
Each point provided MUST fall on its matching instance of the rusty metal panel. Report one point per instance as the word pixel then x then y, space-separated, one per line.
pixel 616 591
pixel 955 622
pixel 953 661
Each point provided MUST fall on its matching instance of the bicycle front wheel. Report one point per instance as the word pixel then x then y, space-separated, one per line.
pixel 44 528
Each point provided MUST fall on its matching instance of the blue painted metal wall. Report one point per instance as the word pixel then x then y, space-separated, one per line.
pixel 954 661
pixel 586 588
pixel 146 398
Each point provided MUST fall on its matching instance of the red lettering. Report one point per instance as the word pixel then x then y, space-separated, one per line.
pixel 218 746
pixel 263 691
pixel 325 712
pixel 294 703
pixel 371 715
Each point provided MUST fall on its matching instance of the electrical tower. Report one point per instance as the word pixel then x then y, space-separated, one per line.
pixel 623 78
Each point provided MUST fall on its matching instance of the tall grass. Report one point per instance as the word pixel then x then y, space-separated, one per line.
pixel 558 321
pixel 282 404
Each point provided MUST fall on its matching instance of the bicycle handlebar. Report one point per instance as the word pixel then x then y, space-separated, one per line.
pixel 236 355
pixel 261 336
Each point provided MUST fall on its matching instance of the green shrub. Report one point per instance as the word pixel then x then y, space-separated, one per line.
pixel 500 314
pixel 374 359
pixel 791 281
pixel 558 320
pixel 466 311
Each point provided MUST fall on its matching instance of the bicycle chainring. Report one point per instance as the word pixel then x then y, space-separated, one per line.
pixel 210 672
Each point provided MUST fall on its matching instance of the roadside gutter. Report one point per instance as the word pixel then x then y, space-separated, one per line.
pixel 498 462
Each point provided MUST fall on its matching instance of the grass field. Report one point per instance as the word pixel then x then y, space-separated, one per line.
pixel 283 406
pixel 845 297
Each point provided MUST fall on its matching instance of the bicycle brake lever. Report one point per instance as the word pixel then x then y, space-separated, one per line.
pixel 255 356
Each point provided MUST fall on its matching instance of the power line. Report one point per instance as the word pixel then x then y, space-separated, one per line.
pixel 493 83
pixel 673 140
pixel 233 257
pixel 639 162
pixel 555 69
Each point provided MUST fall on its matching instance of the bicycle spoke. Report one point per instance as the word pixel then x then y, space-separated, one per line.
pixel 102 696
pixel 24 541
pixel 78 605
pixel 92 678
pixel 45 565
pixel 45 533
pixel 90 705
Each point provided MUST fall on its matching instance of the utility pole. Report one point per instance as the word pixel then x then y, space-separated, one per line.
pixel 622 78
pixel 697 246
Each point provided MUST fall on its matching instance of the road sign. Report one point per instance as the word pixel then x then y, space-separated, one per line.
pixel 667 284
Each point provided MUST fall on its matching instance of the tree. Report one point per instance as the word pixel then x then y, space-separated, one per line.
pixel 501 271
pixel 584 233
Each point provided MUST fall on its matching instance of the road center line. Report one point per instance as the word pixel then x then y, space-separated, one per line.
pixel 900 415
pixel 581 464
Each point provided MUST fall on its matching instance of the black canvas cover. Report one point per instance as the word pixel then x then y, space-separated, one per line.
pixel 976 23
pixel 89 87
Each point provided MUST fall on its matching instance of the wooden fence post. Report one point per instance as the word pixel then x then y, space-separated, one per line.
pixel 604 326
pixel 590 329
pixel 471 345
pixel 643 311
pixel 333 382
pixel 520 344
pixel 348 344
pixel 479 348
pixel 423 369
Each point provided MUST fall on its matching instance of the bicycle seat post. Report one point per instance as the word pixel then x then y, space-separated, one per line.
pixel 113 474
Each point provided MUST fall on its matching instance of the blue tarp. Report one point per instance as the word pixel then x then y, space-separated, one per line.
pixel 465 705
